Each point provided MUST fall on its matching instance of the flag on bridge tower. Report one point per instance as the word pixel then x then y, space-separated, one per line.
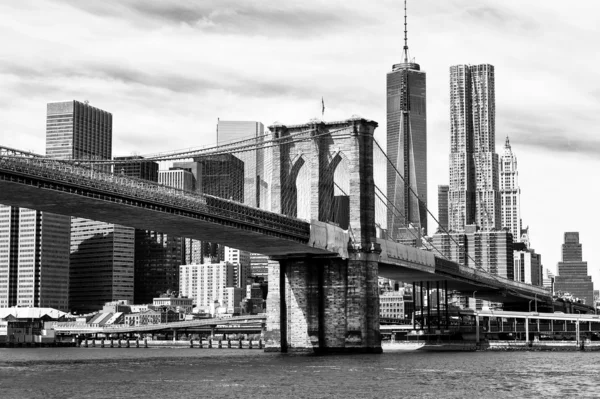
pixel 322 107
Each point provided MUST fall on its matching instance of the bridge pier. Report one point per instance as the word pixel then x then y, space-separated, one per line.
pixel 324 305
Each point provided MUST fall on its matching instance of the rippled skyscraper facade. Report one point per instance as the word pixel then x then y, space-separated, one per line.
pixel 474 196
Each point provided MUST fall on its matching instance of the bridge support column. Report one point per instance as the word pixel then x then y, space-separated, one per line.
pixel 446 304
pixel 428 297
pixel 324 305
pixel 276 326
pixel 421 306
pixel 414 298
pixel 476 327
pixel 437 297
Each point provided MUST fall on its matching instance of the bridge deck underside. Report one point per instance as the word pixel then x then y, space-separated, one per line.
pixel 247 238
pixel 408 264
pixel 456 282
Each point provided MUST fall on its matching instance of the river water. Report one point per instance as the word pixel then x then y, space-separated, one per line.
pixel 223 373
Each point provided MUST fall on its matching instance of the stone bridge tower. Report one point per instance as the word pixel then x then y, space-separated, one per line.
pixel 330 303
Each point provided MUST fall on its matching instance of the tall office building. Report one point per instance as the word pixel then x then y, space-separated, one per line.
pixel 195 168
pixel 528 265
pixel 34 258
pixel 231 131
pixel 180 179
pixel 510 192
pixel 157 260
pixel 548 280
pixel 443 207
pixel 222 176
pixel 259 266
pixel 102 254
pixel 474 196
pixel 241 260
pixel 76 130
pixel 192 251
pixel 136 167
pixel 102 264
pixel 255 184
pixel 406 144
pixel 572 275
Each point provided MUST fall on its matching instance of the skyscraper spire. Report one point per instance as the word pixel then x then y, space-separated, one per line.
pixel 405 36
pixel 406 144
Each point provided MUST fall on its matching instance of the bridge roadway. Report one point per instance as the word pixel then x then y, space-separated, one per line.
pixel 60 187
pixel 251 322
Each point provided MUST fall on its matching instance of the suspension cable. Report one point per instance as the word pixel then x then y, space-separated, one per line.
pixel 429 212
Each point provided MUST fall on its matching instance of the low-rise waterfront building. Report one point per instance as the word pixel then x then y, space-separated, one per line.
pixel 391 305
pixel 180 304
pixel 121 305
pixel 152 316
pixel 27 325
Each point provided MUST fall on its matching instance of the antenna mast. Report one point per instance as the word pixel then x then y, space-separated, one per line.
pixel 405 36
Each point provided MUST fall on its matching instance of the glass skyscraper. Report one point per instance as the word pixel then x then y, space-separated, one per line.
pixel 255 184
pixel 406 146
pixel 443 207
pixel 157 260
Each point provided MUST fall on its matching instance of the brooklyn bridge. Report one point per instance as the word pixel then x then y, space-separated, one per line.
pixel 320 213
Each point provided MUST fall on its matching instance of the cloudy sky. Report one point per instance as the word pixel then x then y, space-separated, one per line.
pixel 168 69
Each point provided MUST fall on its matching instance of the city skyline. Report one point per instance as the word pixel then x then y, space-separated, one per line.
pixel 181 99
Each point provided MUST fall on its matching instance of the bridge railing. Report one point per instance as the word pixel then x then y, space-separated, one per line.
pixel 7 151
pixel 511 285
pixel 138 189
